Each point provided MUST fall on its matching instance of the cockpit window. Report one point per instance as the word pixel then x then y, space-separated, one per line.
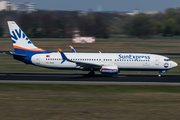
pixel 167 60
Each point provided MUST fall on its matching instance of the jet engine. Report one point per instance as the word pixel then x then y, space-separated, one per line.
pixel 109 70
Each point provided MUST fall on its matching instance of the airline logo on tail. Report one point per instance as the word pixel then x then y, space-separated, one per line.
pixel 19 35
pixel 20 40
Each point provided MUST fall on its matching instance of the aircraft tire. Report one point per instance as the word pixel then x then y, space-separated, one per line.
pixel 91 73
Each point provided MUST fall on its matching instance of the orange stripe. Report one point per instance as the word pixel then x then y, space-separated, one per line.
pixel 71 47
pixel 35 49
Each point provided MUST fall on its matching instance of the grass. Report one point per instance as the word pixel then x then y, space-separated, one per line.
pixel 153 37
pixel 107 45
pixel 87 102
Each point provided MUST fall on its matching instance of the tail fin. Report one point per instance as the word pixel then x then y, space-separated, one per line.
pixel 21 43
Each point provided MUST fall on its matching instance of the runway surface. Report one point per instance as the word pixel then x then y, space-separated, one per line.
pixel 71 78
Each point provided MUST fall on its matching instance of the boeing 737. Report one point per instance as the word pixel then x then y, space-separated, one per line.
pixel 106 63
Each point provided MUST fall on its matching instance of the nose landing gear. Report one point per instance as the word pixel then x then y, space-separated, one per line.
pixel 163 71
pixel 159 75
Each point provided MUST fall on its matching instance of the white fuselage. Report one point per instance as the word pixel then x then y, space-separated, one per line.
pixel 123 61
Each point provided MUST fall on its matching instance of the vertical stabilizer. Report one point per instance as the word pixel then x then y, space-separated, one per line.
pixel 21 42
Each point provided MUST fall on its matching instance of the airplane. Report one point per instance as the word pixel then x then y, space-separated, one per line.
pixel 105 63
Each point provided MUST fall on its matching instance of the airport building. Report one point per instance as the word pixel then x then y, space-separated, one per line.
pixel 9 6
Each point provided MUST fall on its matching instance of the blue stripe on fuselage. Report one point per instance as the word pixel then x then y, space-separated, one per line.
pixel 28 54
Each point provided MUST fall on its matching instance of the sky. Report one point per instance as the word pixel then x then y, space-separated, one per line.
pixel 106 5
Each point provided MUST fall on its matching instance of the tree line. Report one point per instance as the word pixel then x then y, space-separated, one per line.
pixel 60 24
pixel 164 24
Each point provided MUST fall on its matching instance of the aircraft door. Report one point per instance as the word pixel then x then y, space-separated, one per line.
pixel 157 61
pixel 38 59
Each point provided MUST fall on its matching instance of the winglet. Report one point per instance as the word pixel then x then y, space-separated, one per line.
pixel 63 56
pixel 72 49
pixel 59 49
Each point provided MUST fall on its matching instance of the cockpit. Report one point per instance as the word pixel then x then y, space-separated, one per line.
pixel 167 60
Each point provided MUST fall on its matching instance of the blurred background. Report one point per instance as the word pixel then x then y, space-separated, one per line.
pixel 100 21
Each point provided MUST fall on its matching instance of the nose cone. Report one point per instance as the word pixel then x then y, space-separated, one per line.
pixel 174 64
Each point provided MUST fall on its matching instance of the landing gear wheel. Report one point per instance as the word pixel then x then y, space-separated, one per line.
pixel 159 75
pixel 91 73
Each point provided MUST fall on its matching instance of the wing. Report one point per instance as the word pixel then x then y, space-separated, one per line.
pixel 85 65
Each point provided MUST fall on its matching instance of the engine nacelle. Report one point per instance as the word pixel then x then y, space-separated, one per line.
pixel 109 70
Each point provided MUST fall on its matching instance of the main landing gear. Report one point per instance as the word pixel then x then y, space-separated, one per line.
pixel 91 73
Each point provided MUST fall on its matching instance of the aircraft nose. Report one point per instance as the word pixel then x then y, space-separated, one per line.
pixel 174 64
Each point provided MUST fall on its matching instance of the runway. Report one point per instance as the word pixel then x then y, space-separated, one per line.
pixel 99 79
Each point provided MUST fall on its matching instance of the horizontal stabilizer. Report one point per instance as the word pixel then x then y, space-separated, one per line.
pixel 13 53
